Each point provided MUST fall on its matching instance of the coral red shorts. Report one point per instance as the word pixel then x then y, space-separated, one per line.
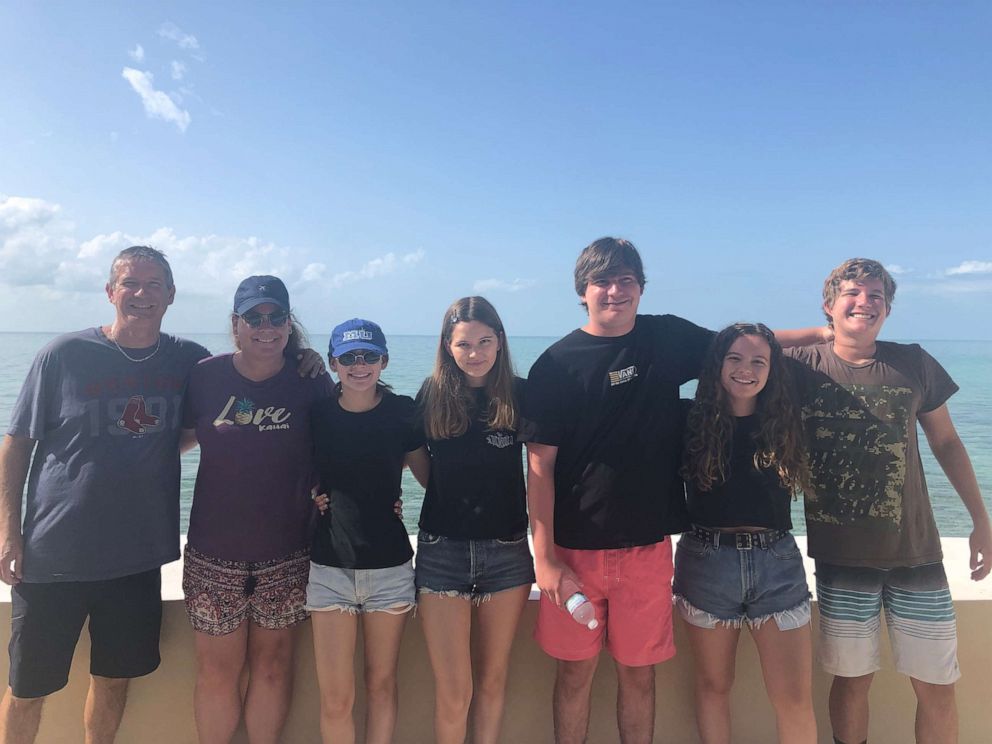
pixel 631 589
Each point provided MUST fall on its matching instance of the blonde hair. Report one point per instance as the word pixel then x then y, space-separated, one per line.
pixel 853 270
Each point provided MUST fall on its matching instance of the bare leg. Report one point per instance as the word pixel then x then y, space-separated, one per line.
pixel 787 667
pixel 573 686
pixel 447 623
pixel 104 709
pixel 497 626
pixel 714 651
pixel 635 703
pixel 334 634
pixel 19 718
pixel 383 633
pixel 936 713
pixel 270 682
pixel 217 697
pixel 849 708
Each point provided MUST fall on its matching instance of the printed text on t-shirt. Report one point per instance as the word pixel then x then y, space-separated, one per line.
pixel 620 376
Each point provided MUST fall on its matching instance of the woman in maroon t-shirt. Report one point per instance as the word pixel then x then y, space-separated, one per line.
pixel 246 560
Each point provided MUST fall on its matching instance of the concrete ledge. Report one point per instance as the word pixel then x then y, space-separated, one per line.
pixel 161 707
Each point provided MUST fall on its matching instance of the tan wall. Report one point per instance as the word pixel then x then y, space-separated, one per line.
pixel 160 706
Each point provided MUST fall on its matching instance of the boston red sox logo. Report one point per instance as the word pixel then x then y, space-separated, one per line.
pixel 135 417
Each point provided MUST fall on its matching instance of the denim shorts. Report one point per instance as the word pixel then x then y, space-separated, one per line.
pixel 361 590
pixel 730 586
pixel 473 569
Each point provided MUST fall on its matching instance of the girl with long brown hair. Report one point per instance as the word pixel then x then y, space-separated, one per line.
pixel 472 549
pixel 739 564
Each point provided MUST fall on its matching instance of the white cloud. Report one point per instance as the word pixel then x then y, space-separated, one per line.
pixel 39 249
pixel 157 104
pixel 897 270
pixel 35 242
pixel 171 31
pixel 970 267
pixel 379 266
pixel 178 69
pixel 501 285
pixel 137 54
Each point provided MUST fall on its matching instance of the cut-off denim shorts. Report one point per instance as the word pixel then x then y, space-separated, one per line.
pixel 472 569
pixel 361 590
pixel 718 584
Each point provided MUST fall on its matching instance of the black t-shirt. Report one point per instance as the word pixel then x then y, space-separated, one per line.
pixel 359 458
pixel 476 489
pixel 750 496
pixel 611 406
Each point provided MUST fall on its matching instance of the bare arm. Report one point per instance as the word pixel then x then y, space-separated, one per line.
pixel 15 459
pixel 954 461
pixel 187 440
pixel 419 463
pixel 541 504
pixel 803 336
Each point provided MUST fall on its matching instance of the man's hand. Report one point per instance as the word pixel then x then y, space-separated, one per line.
pixel 311 363
pixel 11 558
pixel 980 542
pixel 552 575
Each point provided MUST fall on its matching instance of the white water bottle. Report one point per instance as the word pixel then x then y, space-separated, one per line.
pixel 579 606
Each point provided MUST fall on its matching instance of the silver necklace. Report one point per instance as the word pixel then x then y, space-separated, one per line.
pixel 144 358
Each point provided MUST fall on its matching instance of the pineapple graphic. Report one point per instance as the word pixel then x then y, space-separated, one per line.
pixel 243 412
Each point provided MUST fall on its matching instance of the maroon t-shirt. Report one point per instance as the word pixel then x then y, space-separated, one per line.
pixel 252 496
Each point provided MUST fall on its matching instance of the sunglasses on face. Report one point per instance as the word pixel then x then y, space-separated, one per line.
pixel 276 319
pixel 368 357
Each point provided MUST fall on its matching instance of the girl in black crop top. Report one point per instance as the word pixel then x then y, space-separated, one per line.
pixel 739 565
pixel 473 557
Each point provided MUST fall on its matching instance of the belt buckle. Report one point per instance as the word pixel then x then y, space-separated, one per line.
pixel 744 540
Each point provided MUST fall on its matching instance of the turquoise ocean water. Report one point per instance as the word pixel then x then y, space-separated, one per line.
pixel 411 358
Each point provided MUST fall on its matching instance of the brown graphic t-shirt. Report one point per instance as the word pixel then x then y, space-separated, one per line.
pixel 869 505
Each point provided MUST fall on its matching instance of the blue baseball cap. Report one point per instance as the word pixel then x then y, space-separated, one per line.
pixel 258 290
pixel 356 334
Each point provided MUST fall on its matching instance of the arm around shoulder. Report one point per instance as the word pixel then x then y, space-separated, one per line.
pixel 15 459
pixel 803 336
pixel 953 459
pixel 419 462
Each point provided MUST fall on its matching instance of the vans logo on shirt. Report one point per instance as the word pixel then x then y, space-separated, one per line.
pixel 620 376
pixel 245 413
pixel 359 335
pixel 499 440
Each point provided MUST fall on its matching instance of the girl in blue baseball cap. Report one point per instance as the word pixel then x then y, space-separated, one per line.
pixel 361 560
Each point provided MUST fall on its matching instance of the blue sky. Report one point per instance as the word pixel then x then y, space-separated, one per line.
pixel 387 158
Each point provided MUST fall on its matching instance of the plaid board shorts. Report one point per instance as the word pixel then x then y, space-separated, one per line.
pixel 221 594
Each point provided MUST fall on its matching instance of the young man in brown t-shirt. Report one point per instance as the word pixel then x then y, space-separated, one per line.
pixel 869 519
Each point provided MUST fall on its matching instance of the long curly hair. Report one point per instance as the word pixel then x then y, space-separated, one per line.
pixel 446 397
pixel 710 424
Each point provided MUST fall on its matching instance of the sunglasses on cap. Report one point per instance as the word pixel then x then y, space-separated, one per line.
pixel 276 319
pixel 368 357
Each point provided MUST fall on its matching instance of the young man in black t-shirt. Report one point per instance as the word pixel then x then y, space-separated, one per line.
pixel 602 426
pixel 602 423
